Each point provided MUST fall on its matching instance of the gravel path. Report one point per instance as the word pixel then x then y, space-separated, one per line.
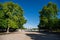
pixel 43 36
pixel 29 36
pixel 14 36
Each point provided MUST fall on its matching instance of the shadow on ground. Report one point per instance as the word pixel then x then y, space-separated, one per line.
pixel 44 36
pixel 11 32
pixel 4 33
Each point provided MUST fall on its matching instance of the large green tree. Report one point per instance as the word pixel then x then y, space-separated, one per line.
pixel 13 14
pixel 48 16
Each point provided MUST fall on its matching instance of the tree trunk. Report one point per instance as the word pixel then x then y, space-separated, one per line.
pixel 8 30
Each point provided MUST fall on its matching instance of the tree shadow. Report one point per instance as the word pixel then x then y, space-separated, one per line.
pixel 11 32
pixel 44 36
pixel 4 32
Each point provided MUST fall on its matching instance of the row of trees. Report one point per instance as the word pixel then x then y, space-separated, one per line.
pixel 11 16
pixel 48 17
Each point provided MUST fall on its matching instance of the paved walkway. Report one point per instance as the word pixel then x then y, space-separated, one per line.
pixel 29 36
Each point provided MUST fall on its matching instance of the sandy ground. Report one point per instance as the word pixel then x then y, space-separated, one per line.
pixel 29 36
pixel 14 36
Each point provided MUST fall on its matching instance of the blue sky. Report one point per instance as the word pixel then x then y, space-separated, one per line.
pixel 31 10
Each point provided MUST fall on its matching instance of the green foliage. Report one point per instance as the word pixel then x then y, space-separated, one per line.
pixel 13 14
pixel 3 23
pixel 48 16
pixel 12 24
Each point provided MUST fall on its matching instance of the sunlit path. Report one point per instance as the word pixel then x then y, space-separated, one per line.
pixel 14 36
pixel 22 35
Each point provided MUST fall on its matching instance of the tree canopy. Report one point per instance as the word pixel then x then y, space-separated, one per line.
pixel 11 15
pixel 48 16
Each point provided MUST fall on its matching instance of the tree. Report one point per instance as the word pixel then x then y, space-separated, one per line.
pixel 13 14
pixel 48 16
